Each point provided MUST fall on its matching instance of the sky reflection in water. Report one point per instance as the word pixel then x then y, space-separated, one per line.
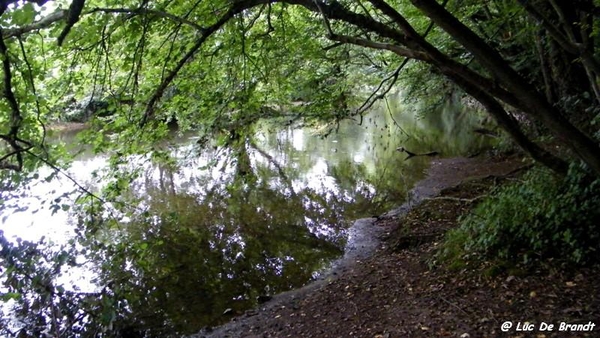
pixel 224 227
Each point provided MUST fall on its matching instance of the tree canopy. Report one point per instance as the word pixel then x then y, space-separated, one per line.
pixel 219 66
pixel 133 69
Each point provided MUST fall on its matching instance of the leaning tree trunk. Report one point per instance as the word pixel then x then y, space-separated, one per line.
pixel 511 126
pixel 530 100
pixel 479 87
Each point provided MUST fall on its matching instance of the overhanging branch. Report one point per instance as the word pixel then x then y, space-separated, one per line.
pixel 142 11
pixel 41 24
pixel 15 114
pixel 375 96
pixel 401 51
pixel 238 7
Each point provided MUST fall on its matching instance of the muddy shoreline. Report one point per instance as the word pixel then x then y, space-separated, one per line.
pixel 365 239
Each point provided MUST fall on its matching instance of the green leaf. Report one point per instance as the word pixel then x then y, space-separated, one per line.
pixel 24 15
pixel 10 296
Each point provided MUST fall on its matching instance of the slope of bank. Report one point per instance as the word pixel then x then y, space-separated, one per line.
pixel 392 290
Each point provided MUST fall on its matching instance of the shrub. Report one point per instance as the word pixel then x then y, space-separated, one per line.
pixel 543 216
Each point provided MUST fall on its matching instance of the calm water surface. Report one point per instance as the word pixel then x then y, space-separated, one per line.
pixel 188 244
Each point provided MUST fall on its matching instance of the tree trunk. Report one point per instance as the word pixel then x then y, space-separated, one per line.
pixel 533 102
pixel 511 126
pixel 545 67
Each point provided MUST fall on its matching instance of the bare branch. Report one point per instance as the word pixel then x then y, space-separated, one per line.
pixel 3 164
pixel 9 166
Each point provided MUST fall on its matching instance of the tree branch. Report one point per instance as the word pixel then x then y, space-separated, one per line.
pixel 235 9
pixel 568 42
pixel 374 96
pixel 401 51
pixel 529 99
pixel 141 11
pixel 5 3
pixel 41 24
pixel 31 81
pixel 74 181
pixel 556 34
pixel 325 19
pixel 15 113
pixel 72 18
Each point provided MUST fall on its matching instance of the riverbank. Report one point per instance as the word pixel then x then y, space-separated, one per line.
pixel 68 126
pixel 390 289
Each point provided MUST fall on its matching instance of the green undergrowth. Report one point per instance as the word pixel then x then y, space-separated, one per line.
pixel 539 217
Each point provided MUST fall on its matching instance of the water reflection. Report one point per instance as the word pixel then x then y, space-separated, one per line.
pixel 193 257
pixel 206 233
pixel 268 216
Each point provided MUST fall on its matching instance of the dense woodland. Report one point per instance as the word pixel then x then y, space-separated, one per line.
pixel 131 70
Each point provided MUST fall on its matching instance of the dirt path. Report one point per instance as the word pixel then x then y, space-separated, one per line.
pixel 386 288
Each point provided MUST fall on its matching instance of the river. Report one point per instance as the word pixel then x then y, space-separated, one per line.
pixel 214 231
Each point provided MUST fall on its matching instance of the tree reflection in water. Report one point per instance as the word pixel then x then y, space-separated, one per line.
pixel 212 233
pixel 190 257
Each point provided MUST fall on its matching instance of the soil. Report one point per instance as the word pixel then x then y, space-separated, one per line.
pixel 387 285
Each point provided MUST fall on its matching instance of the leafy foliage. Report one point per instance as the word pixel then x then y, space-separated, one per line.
pixel 543 216
pixel 30 271
pixel 137 68
pixel 219 66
